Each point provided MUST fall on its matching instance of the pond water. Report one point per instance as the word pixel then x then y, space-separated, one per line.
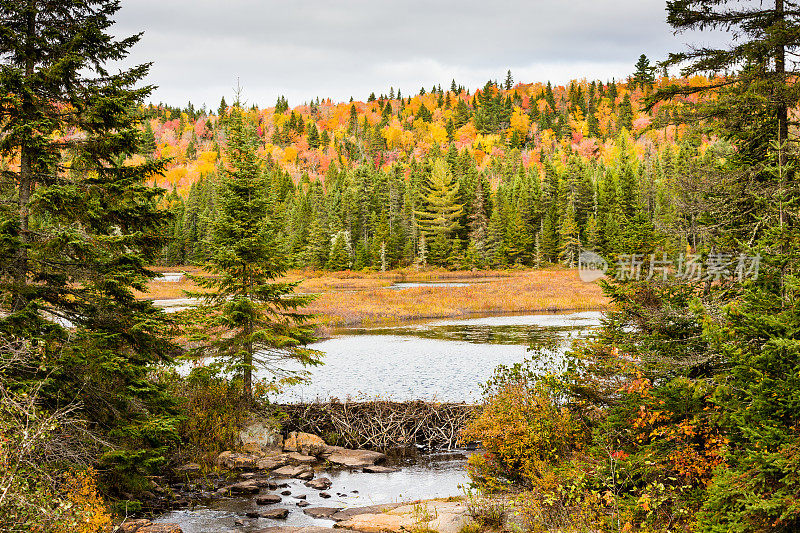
pixel 414 284
pixel 170 277
pixel 444 360
pixel 431 476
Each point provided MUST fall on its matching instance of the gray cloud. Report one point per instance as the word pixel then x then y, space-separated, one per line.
pixel 308 48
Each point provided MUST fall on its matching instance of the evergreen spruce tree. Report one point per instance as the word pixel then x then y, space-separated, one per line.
pixel 254 321
pixel 440 211
pixel 339 257
pixel 644 77
pixel 77 227
pixel 625 120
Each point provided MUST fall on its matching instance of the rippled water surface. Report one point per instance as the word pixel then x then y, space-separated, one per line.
pixel 445 360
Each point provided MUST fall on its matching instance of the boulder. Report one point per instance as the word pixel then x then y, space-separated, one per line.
pixel 321 512
pixel 321 483
pixel 355 458
pixel 345 514
pixel 379 469
pixel 306 476
pixel 260 433
pixel 271 462
pixel 275 514
pixel 305 443
pixel 297 457
pixel 160 528
pixel 236 461
pixel 131 526
pixel 302 503
pixel 439 515
pixel 244 487
pixel 293 471
pixel 268 499
pixel 297 529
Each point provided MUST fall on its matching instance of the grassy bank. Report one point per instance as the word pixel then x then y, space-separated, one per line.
pixel 362 298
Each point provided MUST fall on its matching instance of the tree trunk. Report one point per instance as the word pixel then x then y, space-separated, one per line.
pixel 780 71
pixel 26 177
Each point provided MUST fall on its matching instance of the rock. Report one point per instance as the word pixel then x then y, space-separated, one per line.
pixel 268 499
pixel 346 514
pixel 306 476
pixel 297 529
pixel 160 528
pixel 297 457
pixel 188 468
pixel 305 443
pixel 272 462
pixel 260 434
pixel 355 458
pixel 302 503
pixel 236 461
pixel 324 495
pixel 275 514
pixel 321 512
pixel 131 526
pixel 321 483
pixel 292 471
pixel 252 514
pixel 247 475
pixel 379 469
pixel 441 515
pixel 287 493
pixel 245 487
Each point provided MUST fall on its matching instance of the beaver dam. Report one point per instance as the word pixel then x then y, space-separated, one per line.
pixel 380 424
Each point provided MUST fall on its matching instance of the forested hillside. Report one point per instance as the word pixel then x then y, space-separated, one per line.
pixel 510 174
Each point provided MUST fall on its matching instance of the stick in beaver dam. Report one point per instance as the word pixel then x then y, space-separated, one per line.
pixel 381 424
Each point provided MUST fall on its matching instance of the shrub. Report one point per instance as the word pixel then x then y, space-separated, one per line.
pixel 520 426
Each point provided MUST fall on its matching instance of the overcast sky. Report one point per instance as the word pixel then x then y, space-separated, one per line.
pixel 341 48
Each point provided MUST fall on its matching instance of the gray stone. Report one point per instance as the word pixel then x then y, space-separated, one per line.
pixel 321 512
pixel 236 461
pixel 306 476
pixel 355 458
pixel 297 457
pixel 346 514
pixel 321 483
pixel 292 471
pixel 275 514
pixel 271 462
pixel 160 528
pixel 296 529
pixel 245 487
pixel 377 469
pixel 261 433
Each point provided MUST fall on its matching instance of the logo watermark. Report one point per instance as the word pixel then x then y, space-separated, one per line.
pixel 686 267
pixel 591 266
